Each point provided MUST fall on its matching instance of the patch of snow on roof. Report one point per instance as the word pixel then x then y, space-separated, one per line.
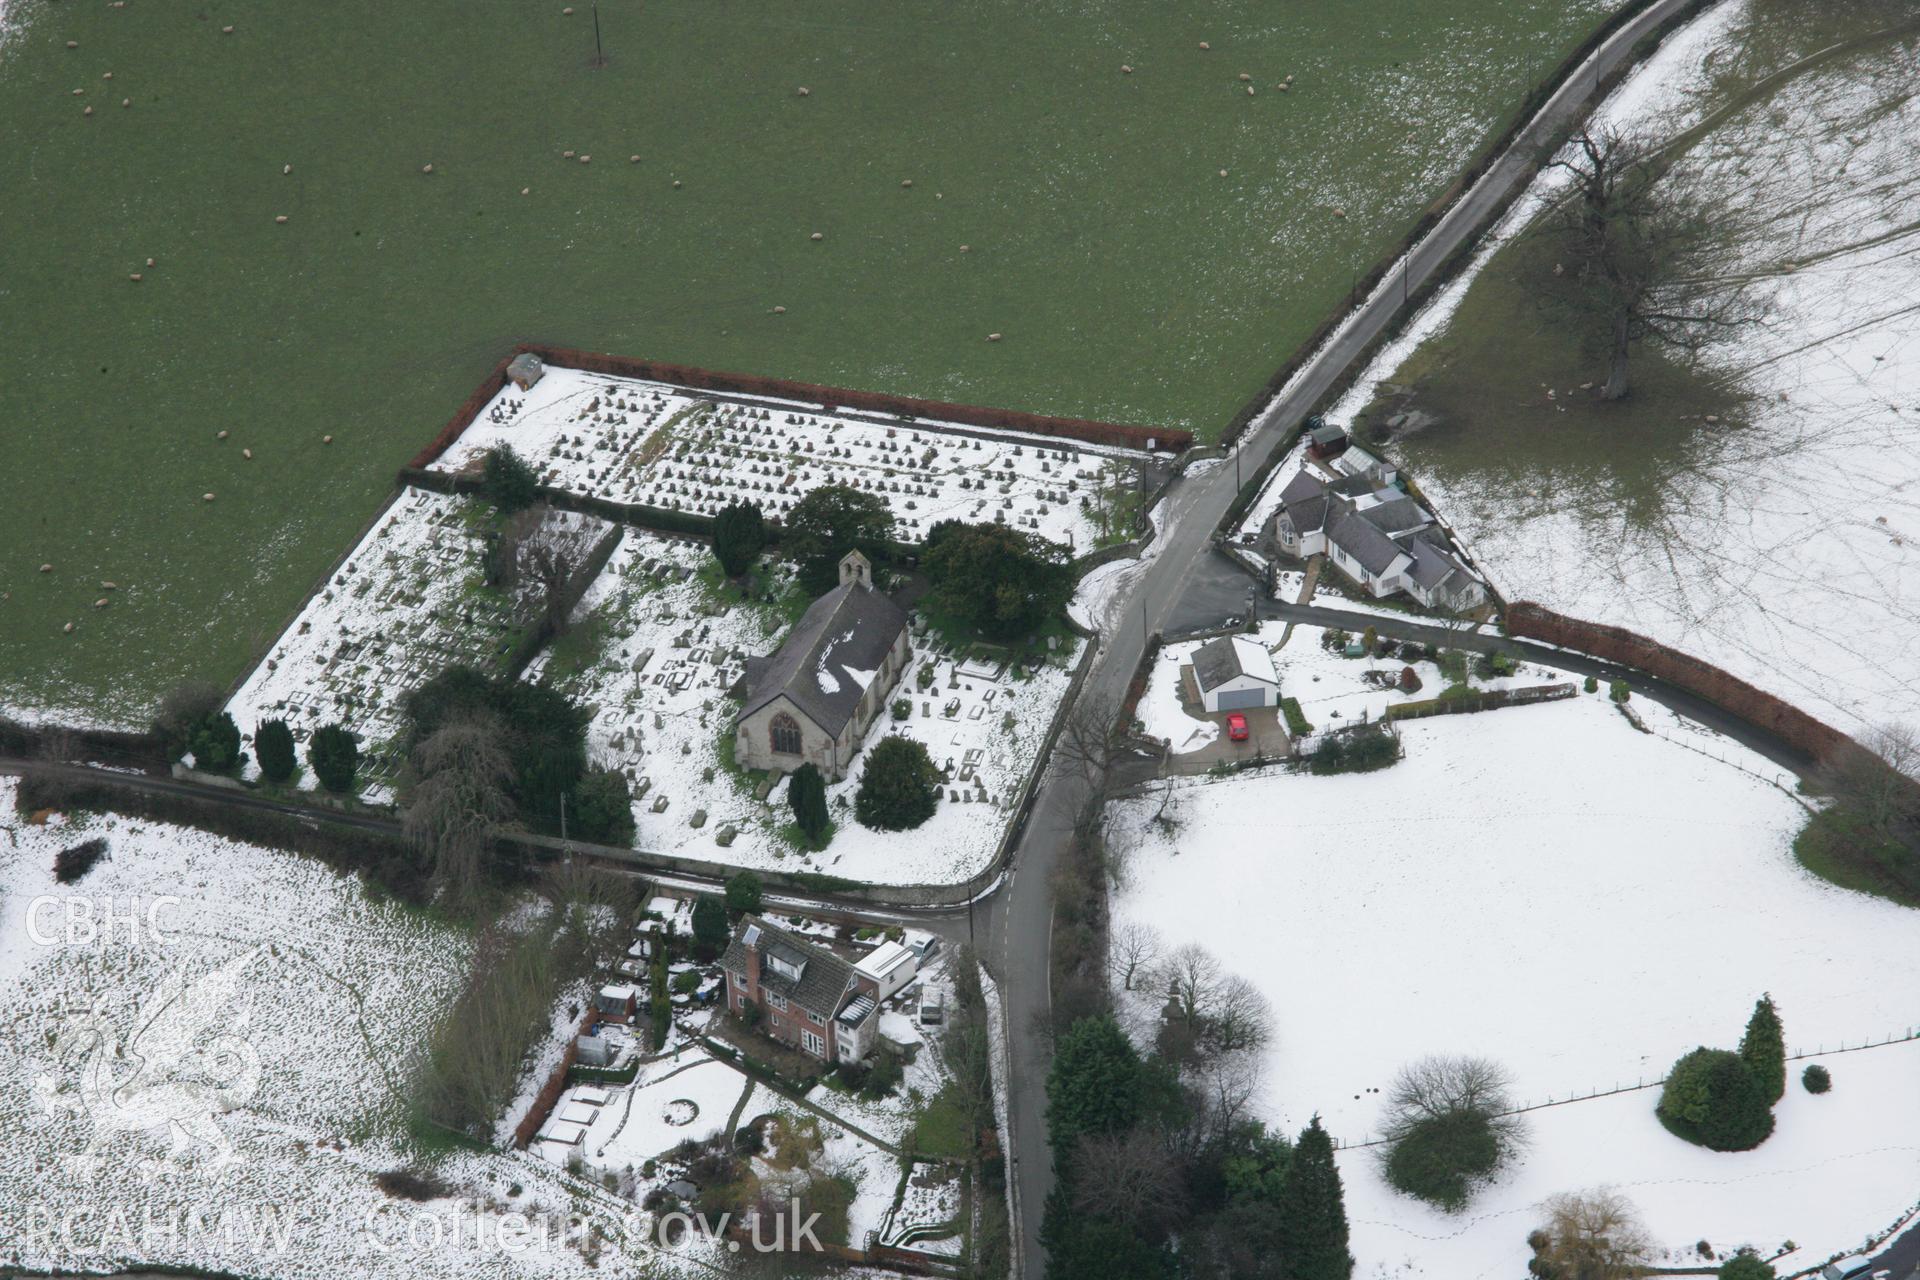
pixel 1255 660
pixel 861 678
pixel 830 683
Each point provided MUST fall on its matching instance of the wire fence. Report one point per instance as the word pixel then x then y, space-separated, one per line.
pixel 1639 1085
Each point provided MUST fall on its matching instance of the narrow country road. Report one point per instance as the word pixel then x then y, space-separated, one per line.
pixel 1019 916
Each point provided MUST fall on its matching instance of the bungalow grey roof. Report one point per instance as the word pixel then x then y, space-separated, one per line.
pixel 1433 564
pixel 1305 502
pixel 1221 660
pixel 827 660
pixel 1353 534
pixel 824 977
pixel 1354 486
pixel 1396 516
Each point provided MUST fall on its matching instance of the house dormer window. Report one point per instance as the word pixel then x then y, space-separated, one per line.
pixel 786 968
pixel 785 734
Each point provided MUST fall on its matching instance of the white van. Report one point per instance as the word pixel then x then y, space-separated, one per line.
pixel 1847 1268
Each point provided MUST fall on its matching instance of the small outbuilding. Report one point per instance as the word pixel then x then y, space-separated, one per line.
pixel 888 967
pixel 1326 440
pixel 1235 674
pixel 525 369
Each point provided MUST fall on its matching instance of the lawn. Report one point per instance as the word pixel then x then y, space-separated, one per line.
pixel 1131 281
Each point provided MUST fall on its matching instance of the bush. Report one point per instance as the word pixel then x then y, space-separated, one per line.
pixel 1409 680
pixel 743 893
pixel 215 743
pixel 885 1076
pixel 1297 724
pixel 334 754
pixel 1355 752
pixel 1370 641
pixel 508 481
pixel 685 983
pixel 72 863
pixel 187 705
pixel 1446 1129
pixel 1412 651
pixel 1592 684
pixel 739 534
pixel 1441 1159
pixel 602 808
pixel 273 747
pixel 1816 1079
pixel 1618 691
pixel 900 787
pixel 1745 1265
pixel 710 931
pixel 1712 1099
pixel 1333 640
pixel 807 796
pixel 902 708
pixel 1489 666
pixel 546 738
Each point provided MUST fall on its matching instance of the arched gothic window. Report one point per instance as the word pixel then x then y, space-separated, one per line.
pixel 785 732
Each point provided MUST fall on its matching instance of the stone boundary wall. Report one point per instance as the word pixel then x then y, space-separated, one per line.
pixel 1702 679
pixel 1119 435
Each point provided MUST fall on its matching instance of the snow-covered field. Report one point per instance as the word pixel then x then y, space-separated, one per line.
pixel 684 450
pixel 401 609
pixel 661 710
pixel 1789 551
pixel 1582 903
pixel 262 1001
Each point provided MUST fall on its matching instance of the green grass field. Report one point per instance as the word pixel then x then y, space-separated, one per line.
pixel 1131 281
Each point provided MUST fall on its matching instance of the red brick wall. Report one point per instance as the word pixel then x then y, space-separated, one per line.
pixel 1165 439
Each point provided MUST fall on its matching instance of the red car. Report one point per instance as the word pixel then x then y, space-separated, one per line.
pixel 1237 727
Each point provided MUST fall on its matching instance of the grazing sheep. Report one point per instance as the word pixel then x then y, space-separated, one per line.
pixel 68 628
pixel 326 439
pixel 101 603
pixel 779 311
pixel 150 262
pixel 135 277
pixel 226 31
pixel 220 436
pixel 1125 70
pixel 126 102
pixel 906 182
pixel 525 190
pixel 993 337
pixel 1205 45
pixel 426 168
pixel 73 44
pixel 281 219
pixel 633 159
pixel 1244 77
pixel 206 497
pixel 1223 173
pixel 286 168
pixel 46 568
pixel 87 111
pixel 818 236
pixel 804 91
pixel 247 454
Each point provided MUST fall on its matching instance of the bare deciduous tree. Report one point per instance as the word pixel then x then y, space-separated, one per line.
pixel 1135 946
pixel 527 559
pixel 1127 1177
pixel 1591 1235
pixel 1648 254
pixel 1876 777
pixel 1437 1086
pixel 458 798
pixel 1209 1009
pixel 1241 1020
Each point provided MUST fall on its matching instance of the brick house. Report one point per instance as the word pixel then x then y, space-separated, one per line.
pixel 808 997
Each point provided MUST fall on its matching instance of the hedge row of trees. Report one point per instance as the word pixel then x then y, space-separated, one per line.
pixel 190 721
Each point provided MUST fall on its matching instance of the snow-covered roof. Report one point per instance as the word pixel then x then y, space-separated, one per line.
pixel 883 960
pixel 831 655
pixel 1230 657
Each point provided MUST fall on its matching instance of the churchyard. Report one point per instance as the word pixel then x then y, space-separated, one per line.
pixel 660 643
pixel 408 602
pixel 657 445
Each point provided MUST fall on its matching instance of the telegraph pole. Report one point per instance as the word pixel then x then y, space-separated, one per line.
pixel 599 56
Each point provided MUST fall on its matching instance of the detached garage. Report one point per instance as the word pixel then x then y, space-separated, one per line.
pixel 1235 674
